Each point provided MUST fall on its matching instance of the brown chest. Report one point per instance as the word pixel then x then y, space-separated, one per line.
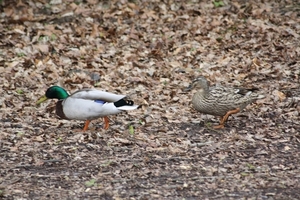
pixel 59 110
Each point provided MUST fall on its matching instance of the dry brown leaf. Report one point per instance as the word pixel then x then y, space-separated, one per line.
pixel 150 51
pixel 281 95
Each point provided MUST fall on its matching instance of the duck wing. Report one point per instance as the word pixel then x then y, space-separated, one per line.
pixel 234 97
pixel 93 94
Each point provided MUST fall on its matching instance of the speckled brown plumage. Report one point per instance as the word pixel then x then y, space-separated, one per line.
pixel 221 101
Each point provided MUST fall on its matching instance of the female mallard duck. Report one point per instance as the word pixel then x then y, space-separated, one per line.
pixel 221 101
pixel 87 104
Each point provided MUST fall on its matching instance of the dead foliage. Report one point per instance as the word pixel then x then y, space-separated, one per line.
pixel 150 50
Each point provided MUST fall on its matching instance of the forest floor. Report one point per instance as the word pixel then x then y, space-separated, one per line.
pixel 150 51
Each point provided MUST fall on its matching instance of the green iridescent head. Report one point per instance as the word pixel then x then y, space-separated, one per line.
pixel 54 92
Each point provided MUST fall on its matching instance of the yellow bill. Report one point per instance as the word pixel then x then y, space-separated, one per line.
pixel 41 100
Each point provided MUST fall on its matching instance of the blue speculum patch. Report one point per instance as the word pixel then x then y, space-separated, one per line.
pixel 100 101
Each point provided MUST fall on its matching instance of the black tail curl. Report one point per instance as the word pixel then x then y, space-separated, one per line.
pixel 123 102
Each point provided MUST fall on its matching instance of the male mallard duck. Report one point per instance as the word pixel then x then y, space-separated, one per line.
pixel 221 101
pixel 87 104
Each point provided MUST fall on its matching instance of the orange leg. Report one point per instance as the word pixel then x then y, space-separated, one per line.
pixel 86 125
pixel 219 126
pixel 225 117
pixel 106 121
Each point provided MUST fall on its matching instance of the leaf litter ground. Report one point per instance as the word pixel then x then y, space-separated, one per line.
pixel 150 50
